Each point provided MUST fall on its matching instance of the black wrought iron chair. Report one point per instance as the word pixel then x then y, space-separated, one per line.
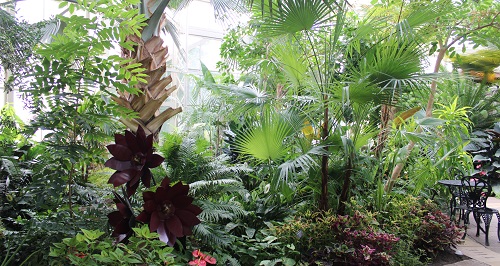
pixel 475 194
pixel 456 192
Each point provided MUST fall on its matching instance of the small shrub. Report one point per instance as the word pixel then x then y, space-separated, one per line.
pixel 421 223
pixel 349 240
pixel 436 232
pixel 90 248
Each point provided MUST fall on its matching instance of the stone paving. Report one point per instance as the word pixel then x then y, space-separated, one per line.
pixel 475 248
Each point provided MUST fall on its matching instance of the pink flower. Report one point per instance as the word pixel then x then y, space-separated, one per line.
pixel 202 259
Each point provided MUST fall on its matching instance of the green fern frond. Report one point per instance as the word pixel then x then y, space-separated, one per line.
pixel 212 236
pixel 195 187
pixel 215 212
pixel 225 259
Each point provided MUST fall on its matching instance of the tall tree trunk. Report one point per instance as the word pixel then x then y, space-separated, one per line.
pixel 323 201
pixel 396 172
pixel 386 114
pixel 344 195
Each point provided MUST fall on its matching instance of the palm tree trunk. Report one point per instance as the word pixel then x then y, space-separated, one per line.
pixel 151 54
pixel 323 201
pixel 386 114
pixel 344 195
pixel 396 172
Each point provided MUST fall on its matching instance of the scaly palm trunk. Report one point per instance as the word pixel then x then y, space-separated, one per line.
pixel 152 55
pixel 151 52
pixel 386 115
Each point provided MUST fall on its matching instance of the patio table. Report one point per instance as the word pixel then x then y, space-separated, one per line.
pixel 455 188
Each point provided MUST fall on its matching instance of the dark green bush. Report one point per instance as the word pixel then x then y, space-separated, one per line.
pixel 348 240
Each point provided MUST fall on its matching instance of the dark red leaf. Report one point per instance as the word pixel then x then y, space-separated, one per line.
pixel 149 206
pixel 115 164
pixel 131 189
pixel 187 217
pixel 148 195
pixel 154 221
pixel 182 201
pixel 148 144
pixel 154 160
pixel 162 194
pixel 120 139
pixel 132 142
pixel 194 209
pixel 119 178
pixel 146 177
pixel 120 152
pixel 143 217
pixel 124 210
pixel 114 218
pixel 165 182
pixel 178 189
pixel 174 225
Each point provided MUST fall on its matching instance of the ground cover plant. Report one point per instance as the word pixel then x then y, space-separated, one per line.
pixel 325 148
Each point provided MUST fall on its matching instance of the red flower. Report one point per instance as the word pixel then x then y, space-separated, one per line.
pixel 122 220
pixel 132 158
pixel 81 255
pixel 169 211
pixel 202 259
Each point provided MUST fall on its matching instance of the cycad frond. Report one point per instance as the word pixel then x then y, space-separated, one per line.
pixel 226 259
pixel 215 212
pixel 212 236
pixel 219 185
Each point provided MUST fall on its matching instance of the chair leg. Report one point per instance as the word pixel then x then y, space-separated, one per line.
pixel 487 220
pixel 477 218
pixel 465 217
pixel 498 227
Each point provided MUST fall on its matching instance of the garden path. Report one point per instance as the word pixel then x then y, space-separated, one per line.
pixel 474 247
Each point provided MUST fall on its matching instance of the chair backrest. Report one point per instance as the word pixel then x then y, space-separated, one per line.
pixel 476 191
pixel 455 173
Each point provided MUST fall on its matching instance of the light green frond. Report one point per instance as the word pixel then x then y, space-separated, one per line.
pixel 292 63
pixel 264 140
pixel 297 15
pixel 302 162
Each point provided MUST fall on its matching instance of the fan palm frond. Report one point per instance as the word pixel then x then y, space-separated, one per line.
pixel 293 16
pixel 264 140
pixel 387 68
pixel 303 162
pixel 292 63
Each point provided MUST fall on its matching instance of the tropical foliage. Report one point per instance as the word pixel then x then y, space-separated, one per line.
pixel 320 139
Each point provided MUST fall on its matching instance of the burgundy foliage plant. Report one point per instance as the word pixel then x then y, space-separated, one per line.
pixel 122 220
pixel 169 211
pixel 132 158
